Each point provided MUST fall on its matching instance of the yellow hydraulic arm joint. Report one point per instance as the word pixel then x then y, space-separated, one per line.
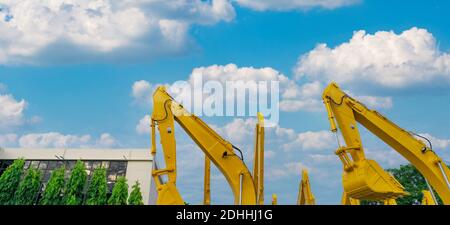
pixel 305 195
pixel 165 112
pixel 364 178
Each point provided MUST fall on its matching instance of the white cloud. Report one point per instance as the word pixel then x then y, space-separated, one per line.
pixel 106 140
pixel 438 143
pixel 269 154
pixel 58 140
pixel 376 102
pixel 11 111
pixel 242 132
pixel 312 140
pixel 239 130
pixel 389 158
pixel 293 97
pixel 263 5
pixel 296 167
pixel 386 158
pixel 385 59
pixel 288 169
pixel 143 127
pixel 324 159
pixel 53 139
pixel 311 105
pixel 142 92
pixel 30 29
pixel 373 101
pixel 8 140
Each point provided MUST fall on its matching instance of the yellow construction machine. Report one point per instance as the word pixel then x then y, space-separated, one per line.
pixel 258 166
pixel 363 178
pixel 207 182
pixel 349 201
pixel 305 195
pixel 221 152
pixel 258 160
pixel 428 198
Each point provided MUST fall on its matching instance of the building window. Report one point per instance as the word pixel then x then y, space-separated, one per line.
pixel 4 164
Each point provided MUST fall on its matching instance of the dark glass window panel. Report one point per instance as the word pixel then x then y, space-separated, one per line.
pixel 113 165
pixel 71 164
pixel 27 164
pixel 110 187
pixel 88 164
pixel 96 164
pixel 60 164
pixel 68 173
pixel 4 165
pixel 105 164
pixel 46 176
pixel 43 165
pixel 34 164
pixel 52 165
pixel 121 168
pixel 121 173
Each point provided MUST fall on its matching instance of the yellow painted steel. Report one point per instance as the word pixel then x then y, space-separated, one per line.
pixel 427 198
pixel 258 161
pixel 349 201
pixel 390 202
pixel 364 178
pixel 207 182
pixel 274 199
pixel 305 195
pixel 165 112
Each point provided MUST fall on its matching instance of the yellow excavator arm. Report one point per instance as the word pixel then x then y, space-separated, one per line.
pixel 428 198
pixel 258 161
pixel 349 201
pixel 305 195
pixel 165 112
pixel 207 182
pixel 364 178
pixel 390 202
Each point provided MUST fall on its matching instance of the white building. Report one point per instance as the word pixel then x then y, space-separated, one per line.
pixel 134 164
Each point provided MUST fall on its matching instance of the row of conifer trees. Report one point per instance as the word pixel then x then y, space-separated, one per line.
pixel 21 187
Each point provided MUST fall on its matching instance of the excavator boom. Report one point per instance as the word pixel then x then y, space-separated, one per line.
pixel 428 198
pixel 365 179
pixel 349 201
pixel 165 112
pixel 258 161
pixel 305 195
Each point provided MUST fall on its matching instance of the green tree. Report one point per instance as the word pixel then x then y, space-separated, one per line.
pixel 10 180
pixel 97 188
pixel 75 185
pixel 119 194
pixel 54 192
pixel 135 195
pixel 28 189
pixel 413 182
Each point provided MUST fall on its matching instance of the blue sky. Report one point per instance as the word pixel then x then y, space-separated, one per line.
pixel 75 84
